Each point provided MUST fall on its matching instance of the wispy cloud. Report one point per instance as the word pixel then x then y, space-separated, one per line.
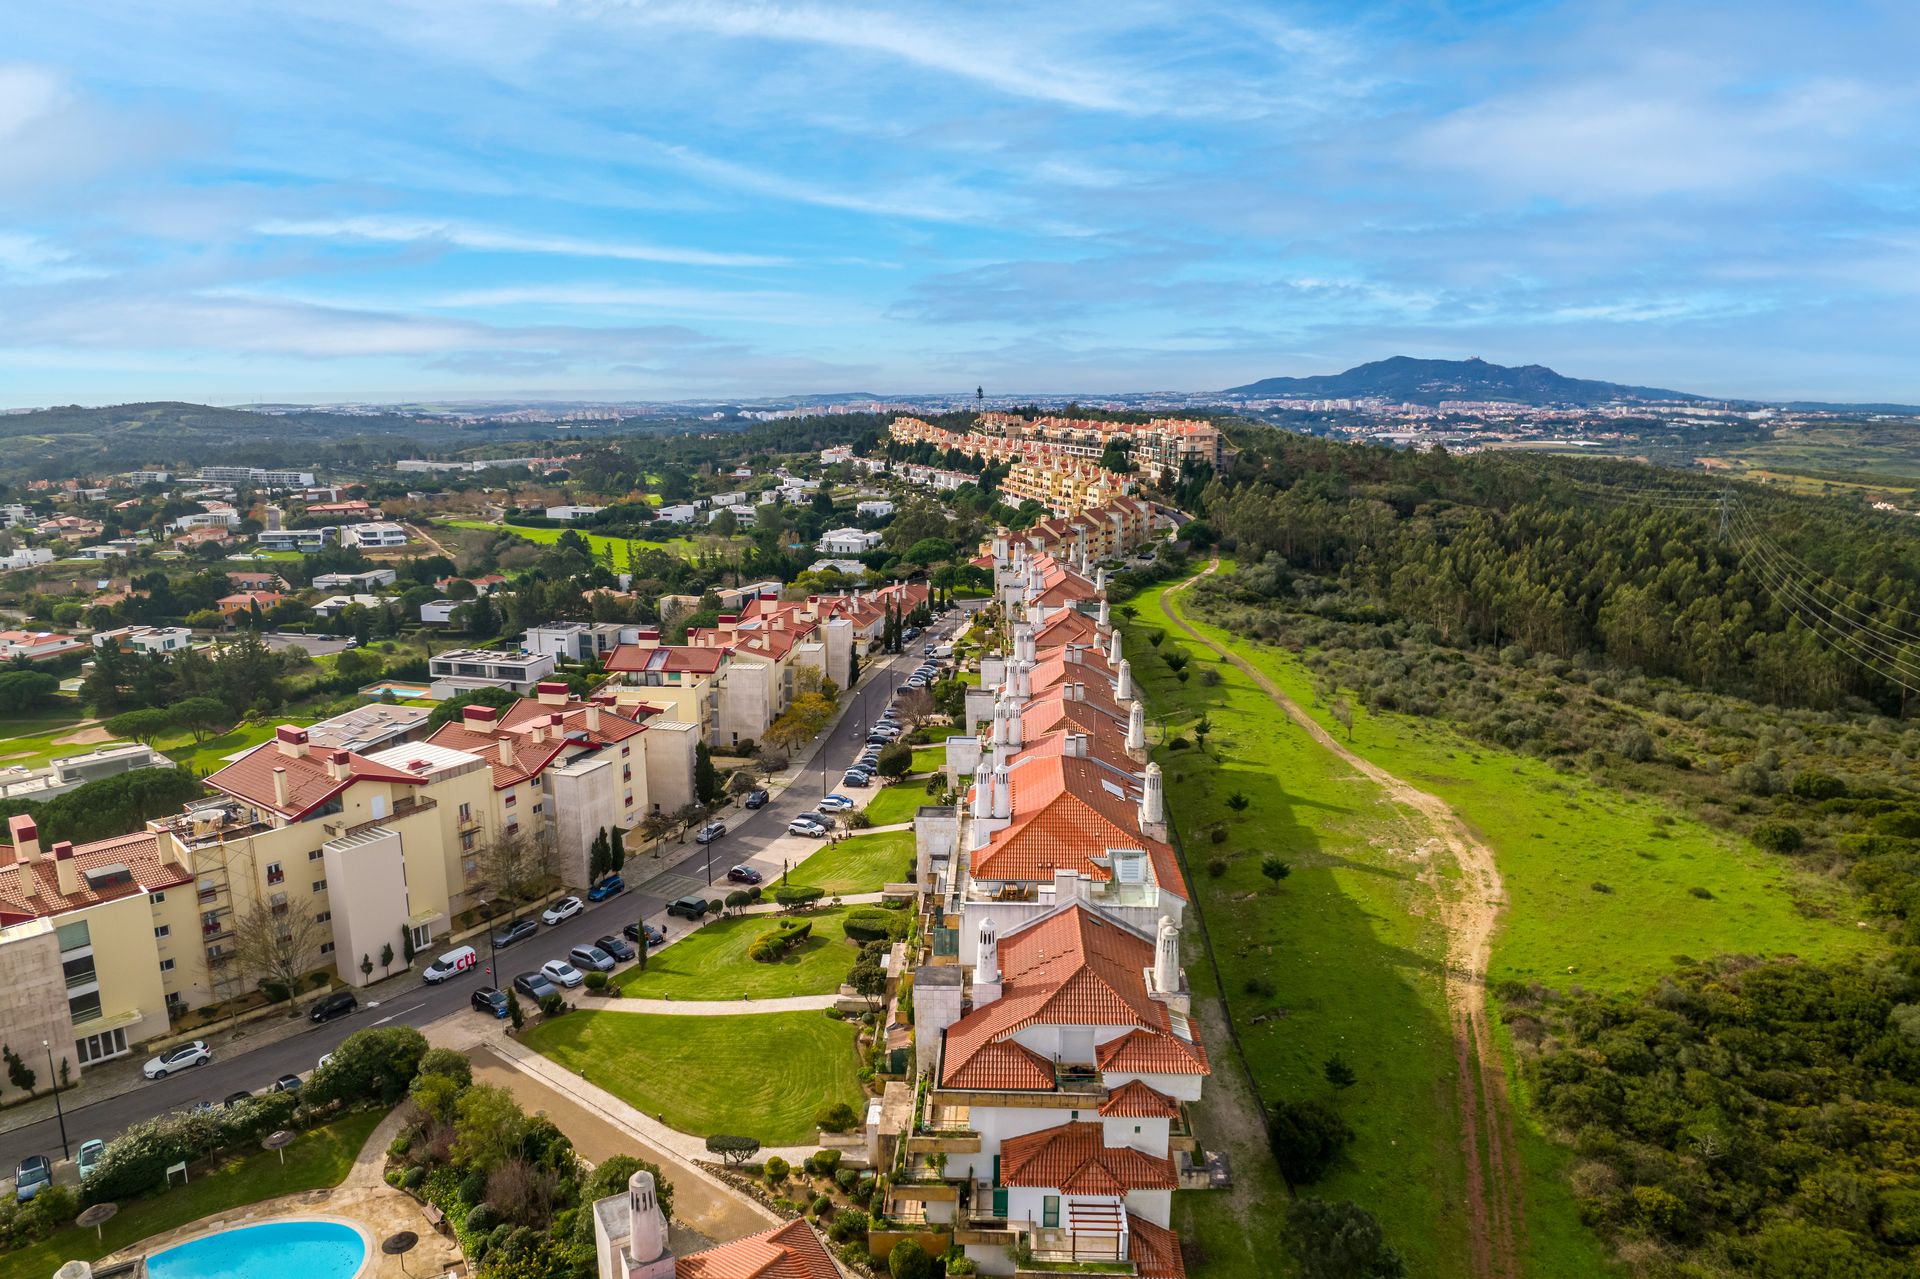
pixel 456 235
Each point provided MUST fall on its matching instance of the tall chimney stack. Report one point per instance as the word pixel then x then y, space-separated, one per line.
pixel 64 868
pixel 280 786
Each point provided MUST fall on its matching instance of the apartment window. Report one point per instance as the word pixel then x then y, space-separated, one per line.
pixel 315 855
pixel 629 799
pixel 164 931
pixel 319 885
pixel 513 828
pixel 84 1007
pixel 108 1043
pixel 466 841
pixel 539 809
pixel 625 751
pixel 510 800
pixel 275 875
pixel 166 965
pixel 1050 1211
pixel 74 936
pixel 326 948
pixel 626 772
pixel 422 935
pixel 466 812
pixel 323 917
pixel 157 898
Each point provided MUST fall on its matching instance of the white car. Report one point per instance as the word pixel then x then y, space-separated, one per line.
pixel 561 973
pixel 564 909
pixel 835 803
pixel 812 830
pixel 194 1054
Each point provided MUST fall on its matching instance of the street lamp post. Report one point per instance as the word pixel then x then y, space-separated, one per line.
pixel 53 1078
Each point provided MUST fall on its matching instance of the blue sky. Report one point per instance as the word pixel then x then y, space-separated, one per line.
pixel 427 199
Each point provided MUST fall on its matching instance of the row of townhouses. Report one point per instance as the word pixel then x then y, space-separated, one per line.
pixel 366 824
pixel 1058 1062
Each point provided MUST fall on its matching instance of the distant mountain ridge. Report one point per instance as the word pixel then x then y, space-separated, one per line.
pixel 1404 378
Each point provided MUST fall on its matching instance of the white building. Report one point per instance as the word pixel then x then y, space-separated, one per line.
pixel 575 641
pixel 259 476
pixel 877 509
pixel 371 580
pixel 438 612
pixel 219 517
pixel 465 669
pixel 380 533
pixel 572 512
pixel 684 513
pixel 137 478
pixel 304 540
pixel 146 639
pixel 26 558
pixel 847 541
pixel 13 513
pixel 837 454
pixel 334 603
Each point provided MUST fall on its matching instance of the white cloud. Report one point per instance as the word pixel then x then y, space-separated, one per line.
pixel 27 93
pixel 429 231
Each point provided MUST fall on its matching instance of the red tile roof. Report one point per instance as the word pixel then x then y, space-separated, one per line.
pixel 1075 1158
pixel 1072 968
pixel 1066 812
pixel 139 853
pixel 792 1251
pixel 1154 1250
pixel 310 779
pixel 529 758
pixel 1134 1100
pixel 665 657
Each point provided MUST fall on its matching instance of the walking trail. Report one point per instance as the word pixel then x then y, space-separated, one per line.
pixel 1496 1202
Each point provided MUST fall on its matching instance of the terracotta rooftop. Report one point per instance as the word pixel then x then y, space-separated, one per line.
pixel 1134 1100
pixel 1154 1250
pixel 792 1251
pixel 139 854
pixel 632 658
pixel 1066 811
pixel 1075 1158
pixel 311 779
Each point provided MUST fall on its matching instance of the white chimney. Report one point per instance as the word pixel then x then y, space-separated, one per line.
pixel 1023 680
pixel 279 786
pixel 646 1223
pixel 1123 682
pixel 999 724
pixel 986 966
pixel 593 718
pixel 1113 648
pixel 1100 580
pixel 1016 729
pixel 1137 726
pixel 1002 793
pixel 1104 619
pixel 1166 959
pixel 983 793
pixel 1153 807
pixel 506 751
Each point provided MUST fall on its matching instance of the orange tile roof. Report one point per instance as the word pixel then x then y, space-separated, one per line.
pixel 682 658
pixel 1140 1053
pixel 792 1251
pixel 1064 815
pixel 1075 1158
pixel 528 711
pixel 529 758
pixel 1071 968
pixel 1068 626
pixel 310 780
pixel 139 853
pixel 1134 1100
pixel 1154 1250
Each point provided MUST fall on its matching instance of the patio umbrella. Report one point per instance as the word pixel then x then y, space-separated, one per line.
pixel 399 1245
pixel 279 1140
pixel 97 1216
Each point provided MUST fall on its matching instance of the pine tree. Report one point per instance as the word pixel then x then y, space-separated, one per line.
pixel 616 850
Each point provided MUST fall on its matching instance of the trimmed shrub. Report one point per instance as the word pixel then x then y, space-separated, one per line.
pixel 793 896
pixel 823 1162
pixel 777 1169
pixel 838 1117
pixel 773 945
pixel 596 980
pixel 847 1179
pixel 875 923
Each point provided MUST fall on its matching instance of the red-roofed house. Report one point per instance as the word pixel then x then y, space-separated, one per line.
pixel 630 1242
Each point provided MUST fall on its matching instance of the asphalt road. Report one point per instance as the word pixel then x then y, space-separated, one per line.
pixel 756 838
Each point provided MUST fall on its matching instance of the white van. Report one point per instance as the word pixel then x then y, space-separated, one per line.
pixel 451 964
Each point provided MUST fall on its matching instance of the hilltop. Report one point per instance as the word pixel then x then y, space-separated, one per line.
pixel 1431 381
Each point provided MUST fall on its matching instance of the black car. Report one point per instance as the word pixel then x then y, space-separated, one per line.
pixel 518 930
pixel 338 1004
pixel 655 936
pixel 286 1083
pixel 615 947
pixel 691 907
pixel 743 875
pixel 488 1000
pixel 535 986
pixel 758 799
pixel 237 1098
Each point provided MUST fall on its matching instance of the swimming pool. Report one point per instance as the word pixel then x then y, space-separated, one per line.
pixel 400 691
pixel 302 1248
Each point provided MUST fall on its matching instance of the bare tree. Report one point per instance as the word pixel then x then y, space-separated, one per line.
pixel 914 708
pixel 279 948
pixel 655 827
pixel 687 817
pixel 743 781
pixel 515 866
pixel 1342 711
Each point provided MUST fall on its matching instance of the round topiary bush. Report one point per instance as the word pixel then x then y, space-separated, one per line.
pixel 596 981
pixel 777 1169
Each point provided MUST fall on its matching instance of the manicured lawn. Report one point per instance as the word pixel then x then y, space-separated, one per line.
pixel 28 740
pixel 862 864
pixel 1351 948
pixel 928 759
pixel 711 962
pixel 758 1075
pixel 208 756
pixel 896 803
pixel 686 547
pixel 319 1159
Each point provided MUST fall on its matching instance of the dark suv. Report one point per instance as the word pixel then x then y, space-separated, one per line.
pixel 338 1004
pixel 518 930
pixel 690 907
pixel 489 1000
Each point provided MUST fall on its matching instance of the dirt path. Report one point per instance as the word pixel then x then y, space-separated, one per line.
pixel 1496 1201
pixel 419 531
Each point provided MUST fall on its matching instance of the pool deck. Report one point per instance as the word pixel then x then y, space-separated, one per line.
pixel 364 1200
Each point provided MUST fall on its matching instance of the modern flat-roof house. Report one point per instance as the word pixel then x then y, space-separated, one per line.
pixel 371 580
pixel 465 669
pixel 439 612
pixel 146 639
pixel 572 512
pixel 575 641
pixel 683 513
pixel 876 509
pixel 847 541
pixel 369 728
pixel 374 536
pixel 74 771
pixel 304 540
pixel 335 603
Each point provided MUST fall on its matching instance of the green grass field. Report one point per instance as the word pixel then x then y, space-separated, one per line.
pixel 28 740
pixel 1352 951
pixel 927 759
pixel 759 1075
pixel 862 864
pixel 207 756
pixel 319 1158
pixel 711 963
pixel 686 547
pixel 896 803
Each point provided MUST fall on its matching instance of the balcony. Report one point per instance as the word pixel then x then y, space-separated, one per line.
pixel 405 808
pixel 1071 1076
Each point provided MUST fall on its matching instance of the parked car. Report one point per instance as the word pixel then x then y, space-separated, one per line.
pixel 590 959
pixel 561 911
pixel 286 1083
pixel 911 633
pixel 836 803
pixel 617 947
pixel 338 1004
pixel 34 1172
pixel 710 832
pixel 201 1108
pixel 451 964
pixel 655 936
pixel 194 1054
pixel 534 986
pixel 324 1059
pixel 90 1151
pixel 857 779
pixel 757 798
pixel 806 828
pixel 518 930
pixel 606 888
pixel 561 973
pixel 743 875
pixel 489 1000
pixel 690 907
pixel 237 1098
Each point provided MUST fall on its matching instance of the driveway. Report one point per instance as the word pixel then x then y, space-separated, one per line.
pixel 316 645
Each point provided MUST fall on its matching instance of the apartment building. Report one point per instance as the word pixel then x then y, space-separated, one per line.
pixel 264 478
pixel 1053 1027
pixel 462 670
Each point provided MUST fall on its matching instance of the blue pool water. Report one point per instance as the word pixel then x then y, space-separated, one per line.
pixel 294 1249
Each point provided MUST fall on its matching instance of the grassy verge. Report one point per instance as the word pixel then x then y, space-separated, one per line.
pixel 759 1075
pixel 205 757
pixel 711 963
pixel 862 864
pixel 685 547
pixel 896 803
pixel 319 1159
pixel 929 759
pixel 28 740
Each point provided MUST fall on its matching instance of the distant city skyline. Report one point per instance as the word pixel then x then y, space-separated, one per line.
pixel 682 200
